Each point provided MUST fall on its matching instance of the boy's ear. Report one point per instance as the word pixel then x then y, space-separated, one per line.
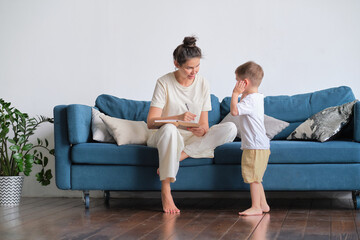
pixel 246 81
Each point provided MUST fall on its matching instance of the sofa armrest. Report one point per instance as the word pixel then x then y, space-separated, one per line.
pixel 357 121
pixel 62 148
pixel 79 123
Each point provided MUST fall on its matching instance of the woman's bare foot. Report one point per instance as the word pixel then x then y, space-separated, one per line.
pixel 168 203
pixel 251 212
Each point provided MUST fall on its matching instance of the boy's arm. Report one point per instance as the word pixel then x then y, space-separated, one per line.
pixel 234 101
pixel 238 89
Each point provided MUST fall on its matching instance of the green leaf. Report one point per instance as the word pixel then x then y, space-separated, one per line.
pixel 12 141
pixel 48 174
pixel 45 182
pixel 27 172
pixel 21 167
pixel 46 160
pixel 14 148
pixel 46 143
pixel 18 156
pixel 29 157
pixel 52 151
pixel 21 140
pixel 4 132
pixel 27 147
pixel 21 128
pixel 38 162
pixel 28 161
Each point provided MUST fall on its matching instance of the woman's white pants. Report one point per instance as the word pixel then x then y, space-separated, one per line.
pixel 171 141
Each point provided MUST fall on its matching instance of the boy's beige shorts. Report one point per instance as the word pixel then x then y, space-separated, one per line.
pixel 253 164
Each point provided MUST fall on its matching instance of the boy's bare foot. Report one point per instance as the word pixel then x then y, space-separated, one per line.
pixel 265 208
pixel 251 212
pixel 168 204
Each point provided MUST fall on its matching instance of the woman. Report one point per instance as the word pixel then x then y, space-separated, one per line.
pixel 183 95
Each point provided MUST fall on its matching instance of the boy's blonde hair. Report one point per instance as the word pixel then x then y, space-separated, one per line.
pixel 251 71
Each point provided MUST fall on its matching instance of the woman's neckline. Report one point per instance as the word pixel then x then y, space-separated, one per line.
pixel 182 86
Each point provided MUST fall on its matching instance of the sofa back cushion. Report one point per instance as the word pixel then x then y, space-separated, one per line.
pixel 297 108
pixel 138 110
pixel 123 108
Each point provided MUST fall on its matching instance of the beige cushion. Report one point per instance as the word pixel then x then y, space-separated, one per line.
pixel 273 126
pixel 126 131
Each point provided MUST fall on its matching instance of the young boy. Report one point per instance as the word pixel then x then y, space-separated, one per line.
pixel 254 142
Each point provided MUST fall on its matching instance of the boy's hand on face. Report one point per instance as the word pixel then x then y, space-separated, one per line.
pixel 239 87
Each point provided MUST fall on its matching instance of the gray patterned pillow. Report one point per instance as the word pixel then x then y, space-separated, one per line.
pixel 324 124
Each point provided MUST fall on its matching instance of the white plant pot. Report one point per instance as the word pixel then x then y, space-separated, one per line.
pixel 10 190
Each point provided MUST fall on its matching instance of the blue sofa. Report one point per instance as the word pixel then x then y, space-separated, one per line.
pixel 82 164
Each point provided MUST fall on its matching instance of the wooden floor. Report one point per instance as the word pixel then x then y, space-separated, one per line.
pixel 207 218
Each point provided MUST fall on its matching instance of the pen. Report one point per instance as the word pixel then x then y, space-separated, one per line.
pixel 187 107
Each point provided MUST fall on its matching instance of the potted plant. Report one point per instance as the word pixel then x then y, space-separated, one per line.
pixel 18 154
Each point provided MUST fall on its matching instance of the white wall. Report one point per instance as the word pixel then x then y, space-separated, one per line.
pixel 63 52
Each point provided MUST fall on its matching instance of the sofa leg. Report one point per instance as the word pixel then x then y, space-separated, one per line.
pixel 86 198
pixel 356 199
pixel 107 197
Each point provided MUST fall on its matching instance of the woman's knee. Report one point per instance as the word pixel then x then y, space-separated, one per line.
pixel 230 128
pixel 169 129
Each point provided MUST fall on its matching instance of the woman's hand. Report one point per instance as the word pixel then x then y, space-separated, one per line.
pixel 187 116
pixel 199 131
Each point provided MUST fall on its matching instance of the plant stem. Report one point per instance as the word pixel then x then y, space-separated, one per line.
pixel 5 158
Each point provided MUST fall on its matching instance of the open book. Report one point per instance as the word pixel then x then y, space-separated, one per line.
pixel 176 123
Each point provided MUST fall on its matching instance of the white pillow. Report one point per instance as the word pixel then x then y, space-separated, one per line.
pixel 126 131
pixel 273 126
pixel 98 128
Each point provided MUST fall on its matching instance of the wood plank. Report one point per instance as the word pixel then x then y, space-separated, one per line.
pixel 209 218
pixel 318 229
pixel 171 224
pixel 343 229
pixel 159 220
pixel 223 222
pixel 38 207
pixel 31 203
pixel 243 227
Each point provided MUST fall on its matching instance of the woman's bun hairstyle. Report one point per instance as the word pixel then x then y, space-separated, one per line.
pixel 187 50
pixel 189 42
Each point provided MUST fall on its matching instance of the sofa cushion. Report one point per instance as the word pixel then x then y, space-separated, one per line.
pixel 123 108
pixel 298 108
pixel 98 128
pixel 138 110
pixel 131 155
pixel 126 131
pixel 296 152
pixel 325 124
pixel 214 114
pixel 273 126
